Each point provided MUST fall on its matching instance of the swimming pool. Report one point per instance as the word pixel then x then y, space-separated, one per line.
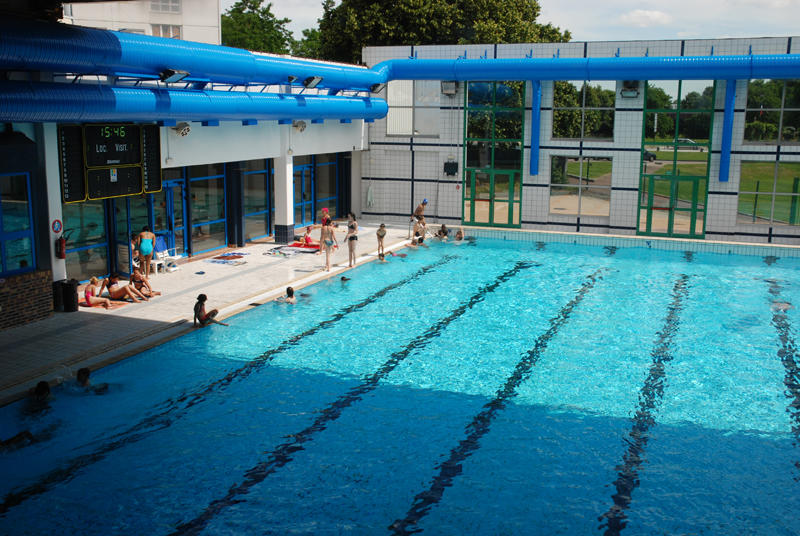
pixel 496 388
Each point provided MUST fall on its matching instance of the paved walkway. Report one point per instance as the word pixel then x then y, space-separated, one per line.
pixel 54 348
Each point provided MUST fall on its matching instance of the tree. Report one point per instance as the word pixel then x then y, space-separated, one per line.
pixel 347 28
pixel 249 25
pixel 309 46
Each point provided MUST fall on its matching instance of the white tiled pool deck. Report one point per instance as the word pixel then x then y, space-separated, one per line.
pixel 53 349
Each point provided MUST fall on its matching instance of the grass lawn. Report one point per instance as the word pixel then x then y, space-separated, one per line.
pixel 758 177
pixel 592 171
pixel 683 156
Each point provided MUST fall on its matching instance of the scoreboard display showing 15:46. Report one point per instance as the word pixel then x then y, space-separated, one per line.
pixel 112 145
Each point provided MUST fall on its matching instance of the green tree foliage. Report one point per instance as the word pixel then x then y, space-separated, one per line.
pixel 250 25
pixel 309 46
pixel 568 101
pixel 347 28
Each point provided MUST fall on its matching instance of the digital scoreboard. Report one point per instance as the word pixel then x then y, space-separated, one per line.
pixel 99 161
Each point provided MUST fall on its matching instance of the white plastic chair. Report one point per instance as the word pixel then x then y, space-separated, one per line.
pixel 165 256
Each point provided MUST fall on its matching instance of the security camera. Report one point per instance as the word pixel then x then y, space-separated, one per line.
pixel 299 125
pixel 182 129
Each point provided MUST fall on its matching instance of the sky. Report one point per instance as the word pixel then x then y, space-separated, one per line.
pixel 624 20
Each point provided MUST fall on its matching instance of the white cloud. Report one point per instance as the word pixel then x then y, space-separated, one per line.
pixel 644 18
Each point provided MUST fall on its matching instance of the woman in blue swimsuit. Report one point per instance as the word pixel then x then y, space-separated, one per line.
pixel 145 244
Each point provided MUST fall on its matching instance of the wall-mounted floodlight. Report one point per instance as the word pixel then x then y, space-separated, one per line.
pixel 182 129
pixel 377 88
pixel 299 125
pixel 312 81
pixel 630 89
pixel 292 79
pixel 449 87
pixel 172 75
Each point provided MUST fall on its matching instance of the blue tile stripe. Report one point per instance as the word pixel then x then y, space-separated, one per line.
pixel 451 468
pixel 788 354
pixel 650 396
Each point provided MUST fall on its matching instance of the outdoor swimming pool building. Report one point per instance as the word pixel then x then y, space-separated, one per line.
pixel 106 132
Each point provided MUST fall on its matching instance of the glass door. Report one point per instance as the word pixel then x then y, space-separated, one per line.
pixel 492 197
pixel 168 215
pixel 303 195
pixel 672 206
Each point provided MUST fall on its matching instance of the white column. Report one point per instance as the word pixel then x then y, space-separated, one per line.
pixel 48 141
pixel 284 197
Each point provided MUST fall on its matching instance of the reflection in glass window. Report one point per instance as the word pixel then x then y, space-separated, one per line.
pixel 773 112
pixel 583 110
pixel 580 186
pixel 16 225
pixel 413 108
pixel 769 193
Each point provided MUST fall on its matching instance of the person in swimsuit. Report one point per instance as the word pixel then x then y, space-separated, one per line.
pixel 145 243
pixel 92 294
pixel 381 234
pixel 203 318
pixel 351 238
pixel 328 242
pixel 307 240
pixel 442 233
pixel 141 283
pixel 117 291
pixel 460 234
pixel 289 297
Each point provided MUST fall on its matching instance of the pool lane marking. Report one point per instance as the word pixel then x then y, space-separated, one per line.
pixel 166 417
pixel 789 358
pixel 282 455
pixel 650 396
pixel 480 424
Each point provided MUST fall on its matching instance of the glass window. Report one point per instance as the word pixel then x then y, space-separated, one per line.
pixel 87 250
pixel 167 30
pixel 16 225
pixel 769 193
pixel 413 108
pixel 165 6
pixel 580 186
pixel 773 112
pixel 208 170
pixel 582 110
pixel 255 192
pixel 208 200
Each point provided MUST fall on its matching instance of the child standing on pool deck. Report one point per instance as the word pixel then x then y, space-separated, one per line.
pixel 381 233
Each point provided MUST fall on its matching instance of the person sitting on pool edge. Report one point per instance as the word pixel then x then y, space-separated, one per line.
pixel 202 317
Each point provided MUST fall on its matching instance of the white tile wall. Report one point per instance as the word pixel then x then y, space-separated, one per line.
pixel 389 157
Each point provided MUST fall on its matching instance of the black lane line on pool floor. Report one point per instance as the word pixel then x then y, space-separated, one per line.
pixel 480 424
pixel 284 452
pixel 650 397
pixel 165 418
pixel 789 358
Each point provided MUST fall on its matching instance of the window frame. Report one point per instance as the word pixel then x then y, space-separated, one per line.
pixel 28 233
pixel 412 108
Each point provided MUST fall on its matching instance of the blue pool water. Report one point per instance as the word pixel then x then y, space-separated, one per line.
pixel 500 388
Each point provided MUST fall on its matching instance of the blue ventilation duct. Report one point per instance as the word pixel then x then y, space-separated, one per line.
pixel 36 46
pixel 42 102
pixel 64 48
pixel 644 68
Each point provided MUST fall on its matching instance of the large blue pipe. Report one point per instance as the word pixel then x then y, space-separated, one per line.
pixel 37 46
pixel 42 102
pixel 645 68
pixel 26 45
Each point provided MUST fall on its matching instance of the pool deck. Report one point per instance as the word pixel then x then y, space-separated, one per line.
pixel 53 349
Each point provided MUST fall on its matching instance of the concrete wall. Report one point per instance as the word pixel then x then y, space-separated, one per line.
pixel 199 19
